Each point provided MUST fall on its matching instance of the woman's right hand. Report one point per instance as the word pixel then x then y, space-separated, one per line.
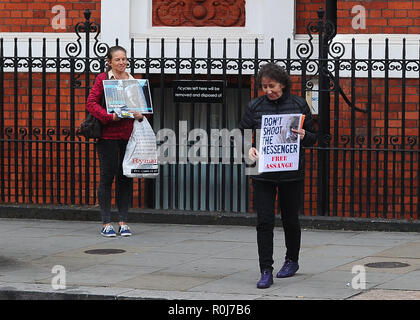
pixel 253 154
pixel 138 116
pixel 116 118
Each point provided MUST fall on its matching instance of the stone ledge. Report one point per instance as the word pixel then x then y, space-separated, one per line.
pixel 91 213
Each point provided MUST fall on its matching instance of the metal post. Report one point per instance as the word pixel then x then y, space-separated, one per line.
pixel 331 11
pixel 325 32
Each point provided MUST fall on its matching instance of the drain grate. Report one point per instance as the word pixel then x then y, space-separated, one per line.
pixel 387 264
pixel 104 251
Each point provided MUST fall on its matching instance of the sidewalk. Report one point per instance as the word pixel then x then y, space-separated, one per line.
pixel 204 262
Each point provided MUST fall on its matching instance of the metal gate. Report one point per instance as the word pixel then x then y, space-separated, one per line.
pixel 365 163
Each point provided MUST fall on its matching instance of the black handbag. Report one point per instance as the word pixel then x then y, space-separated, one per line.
pixel 91 127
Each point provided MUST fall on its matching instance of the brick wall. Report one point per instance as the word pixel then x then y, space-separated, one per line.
pixel 306 11
pixel 37 16
pixel 382 16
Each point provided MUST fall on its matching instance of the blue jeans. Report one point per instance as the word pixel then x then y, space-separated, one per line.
pixel 111 155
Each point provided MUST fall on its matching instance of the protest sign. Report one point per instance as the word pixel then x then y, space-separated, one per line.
pixel 122 96
pixel 279 146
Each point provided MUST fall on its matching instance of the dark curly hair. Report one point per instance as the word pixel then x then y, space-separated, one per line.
pixel 275 72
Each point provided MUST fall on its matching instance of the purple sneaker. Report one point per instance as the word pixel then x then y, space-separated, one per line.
pixel 289 269
pixel 266 279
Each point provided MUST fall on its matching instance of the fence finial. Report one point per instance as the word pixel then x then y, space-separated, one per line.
pixel 321 13
pixel 87 14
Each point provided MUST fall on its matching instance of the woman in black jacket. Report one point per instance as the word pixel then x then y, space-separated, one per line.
pixel 276 83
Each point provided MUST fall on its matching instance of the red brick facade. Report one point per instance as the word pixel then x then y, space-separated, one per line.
pixel 382 16
pixel 37 15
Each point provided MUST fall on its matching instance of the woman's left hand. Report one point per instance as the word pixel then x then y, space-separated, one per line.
pixel 300 132
pixel 137 115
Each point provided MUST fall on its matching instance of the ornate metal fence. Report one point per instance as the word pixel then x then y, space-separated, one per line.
pixel 365 164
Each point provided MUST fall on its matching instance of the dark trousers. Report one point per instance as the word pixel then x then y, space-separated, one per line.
pixel 264 202
pixel 111 155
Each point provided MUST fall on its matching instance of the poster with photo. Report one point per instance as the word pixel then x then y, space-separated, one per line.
pixel 279 146
pixel 122 96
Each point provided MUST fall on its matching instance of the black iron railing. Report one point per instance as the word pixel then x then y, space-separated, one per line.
pixel 366 162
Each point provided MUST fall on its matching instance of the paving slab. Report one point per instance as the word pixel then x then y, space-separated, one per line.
pixel 165 281
pixel 204 262
pixel 380 294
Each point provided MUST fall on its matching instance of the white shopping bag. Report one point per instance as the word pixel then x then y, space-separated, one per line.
pixel 140 159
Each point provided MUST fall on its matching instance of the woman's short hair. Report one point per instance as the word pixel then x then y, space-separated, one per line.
pixel 275 72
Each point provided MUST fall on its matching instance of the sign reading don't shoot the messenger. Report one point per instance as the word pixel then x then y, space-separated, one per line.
pixel 279 146
pixel 198 91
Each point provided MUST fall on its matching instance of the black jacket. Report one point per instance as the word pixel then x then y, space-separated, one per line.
pixel 286 104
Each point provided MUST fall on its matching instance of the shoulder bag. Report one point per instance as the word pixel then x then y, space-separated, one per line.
pixel 91 127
